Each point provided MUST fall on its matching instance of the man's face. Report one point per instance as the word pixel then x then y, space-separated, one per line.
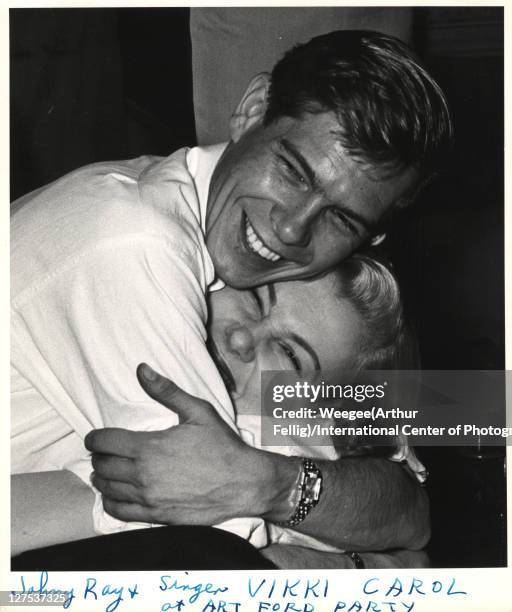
pixel 298 325
pixel 287 202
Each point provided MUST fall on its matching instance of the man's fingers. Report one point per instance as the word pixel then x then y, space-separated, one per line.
pixel 115 490
pixel 115 441
pixel 189 408
pixel 114 468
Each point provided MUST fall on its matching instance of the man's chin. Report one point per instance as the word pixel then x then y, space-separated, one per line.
pixel 256 280
pixel 256 273
pixel 240 278
pixel 246 279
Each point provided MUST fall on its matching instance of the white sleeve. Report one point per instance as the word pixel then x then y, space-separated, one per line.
pixel 82 333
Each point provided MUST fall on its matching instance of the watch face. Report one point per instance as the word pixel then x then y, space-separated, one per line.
pixel 312 487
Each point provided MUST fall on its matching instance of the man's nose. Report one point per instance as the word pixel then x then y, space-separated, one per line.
pixel 293 224
pixel 240 341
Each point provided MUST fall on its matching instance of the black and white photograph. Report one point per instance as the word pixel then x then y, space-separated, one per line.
pixel 200 195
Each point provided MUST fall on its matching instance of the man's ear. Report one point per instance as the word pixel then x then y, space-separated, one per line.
pixel 252 106
pixel 378 239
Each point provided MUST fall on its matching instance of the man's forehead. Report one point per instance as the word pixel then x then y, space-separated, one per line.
pixel 320 138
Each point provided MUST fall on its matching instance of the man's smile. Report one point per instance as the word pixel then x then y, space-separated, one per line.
pixel 256 245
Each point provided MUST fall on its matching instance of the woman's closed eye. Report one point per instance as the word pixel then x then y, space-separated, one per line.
pixel 290 355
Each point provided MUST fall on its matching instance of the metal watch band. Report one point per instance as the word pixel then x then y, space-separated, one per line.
pixel 310 487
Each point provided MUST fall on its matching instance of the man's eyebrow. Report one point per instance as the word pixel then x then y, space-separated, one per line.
pixel 300 341
pixel 292 150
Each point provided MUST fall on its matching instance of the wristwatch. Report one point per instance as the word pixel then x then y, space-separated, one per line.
pixel 309 490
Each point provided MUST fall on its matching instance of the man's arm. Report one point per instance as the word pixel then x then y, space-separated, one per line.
pixel 161 477
pixel 49 508
pixel 367 503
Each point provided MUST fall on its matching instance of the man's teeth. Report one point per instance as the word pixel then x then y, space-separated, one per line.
pixel 257 246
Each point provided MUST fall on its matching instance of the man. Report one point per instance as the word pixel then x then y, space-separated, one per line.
pixel 346 130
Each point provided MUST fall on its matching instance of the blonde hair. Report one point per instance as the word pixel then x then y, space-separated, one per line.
pixel 369 284
pixel 367 281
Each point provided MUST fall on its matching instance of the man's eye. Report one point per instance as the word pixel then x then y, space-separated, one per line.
pixel 291 356
pixel 291 170
pixel 345 221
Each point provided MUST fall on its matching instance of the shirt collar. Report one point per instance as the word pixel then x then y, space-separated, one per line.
pixel 201 162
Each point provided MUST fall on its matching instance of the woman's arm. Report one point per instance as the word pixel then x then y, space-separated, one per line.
pixel 49 508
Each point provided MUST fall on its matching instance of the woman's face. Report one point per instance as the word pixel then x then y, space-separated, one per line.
pixel 296 325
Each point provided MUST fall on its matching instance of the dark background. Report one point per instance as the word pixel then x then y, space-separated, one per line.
pixel 96 84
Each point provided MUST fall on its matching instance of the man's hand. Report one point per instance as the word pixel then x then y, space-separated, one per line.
pixel 199 472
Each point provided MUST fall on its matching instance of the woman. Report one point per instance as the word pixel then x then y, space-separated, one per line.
pixel 348 318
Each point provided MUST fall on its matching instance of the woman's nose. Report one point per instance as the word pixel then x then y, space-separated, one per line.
pixel 240 341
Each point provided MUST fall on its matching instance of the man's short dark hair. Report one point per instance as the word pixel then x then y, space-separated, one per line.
pixel 392 114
